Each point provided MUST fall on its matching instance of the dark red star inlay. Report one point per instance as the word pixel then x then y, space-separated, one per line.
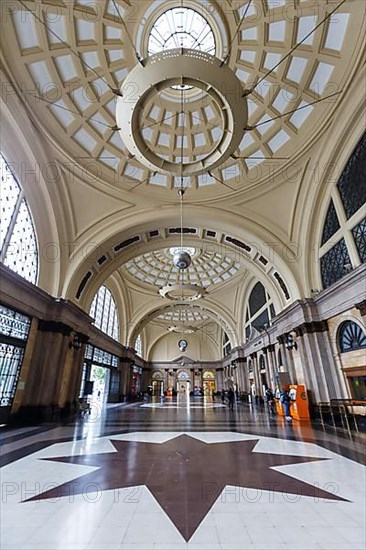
pixel 185 475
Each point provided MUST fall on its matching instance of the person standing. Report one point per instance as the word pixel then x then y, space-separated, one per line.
pixel 286 404
pixel 231 398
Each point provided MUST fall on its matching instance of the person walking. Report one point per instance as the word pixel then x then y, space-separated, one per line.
pixel 270 400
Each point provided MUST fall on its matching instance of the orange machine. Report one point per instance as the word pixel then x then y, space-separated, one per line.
pixel 299 402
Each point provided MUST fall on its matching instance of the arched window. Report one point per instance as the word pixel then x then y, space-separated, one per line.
pixel 104 311
pixel 345 222
pixel 18 242
pixel 351 337
pixel 262 363
pixel 260 310
pixel 226 345
pixel 138 345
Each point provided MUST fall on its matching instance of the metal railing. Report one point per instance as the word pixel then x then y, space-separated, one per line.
pixel 340 411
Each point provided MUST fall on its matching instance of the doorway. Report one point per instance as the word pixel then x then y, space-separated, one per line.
pixel 157 388
pixel 100 376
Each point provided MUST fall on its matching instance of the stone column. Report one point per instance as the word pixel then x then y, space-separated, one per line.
pixel 319 368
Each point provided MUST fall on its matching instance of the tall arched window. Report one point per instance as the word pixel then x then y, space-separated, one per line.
pixel 18 242
pixel 343 242
pixel 138 345
pixel 104 311
pixel 226 345
pixel 260 310
pixel 351 337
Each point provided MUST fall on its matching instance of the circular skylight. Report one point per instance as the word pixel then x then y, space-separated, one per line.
pixel 207 268
pixel 181 28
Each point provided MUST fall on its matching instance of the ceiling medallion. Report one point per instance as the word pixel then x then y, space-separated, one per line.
pixel 182 291
pixel 182 67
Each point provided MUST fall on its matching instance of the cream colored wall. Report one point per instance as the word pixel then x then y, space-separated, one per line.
pixel 200 348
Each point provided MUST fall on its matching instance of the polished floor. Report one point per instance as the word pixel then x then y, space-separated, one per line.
pixel 182 474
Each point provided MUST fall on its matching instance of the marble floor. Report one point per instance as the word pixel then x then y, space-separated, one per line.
pixel 181 474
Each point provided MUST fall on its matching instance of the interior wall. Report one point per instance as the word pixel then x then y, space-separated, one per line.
pixel 200 348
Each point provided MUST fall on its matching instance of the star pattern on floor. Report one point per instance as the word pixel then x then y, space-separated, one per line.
pixel 185 475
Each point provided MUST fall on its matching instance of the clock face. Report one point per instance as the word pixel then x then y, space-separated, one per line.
pixel 182 344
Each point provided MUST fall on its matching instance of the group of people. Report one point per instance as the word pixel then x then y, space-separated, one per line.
pixel 285 401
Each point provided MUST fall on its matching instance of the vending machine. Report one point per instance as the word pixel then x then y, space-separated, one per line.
pixel 299 402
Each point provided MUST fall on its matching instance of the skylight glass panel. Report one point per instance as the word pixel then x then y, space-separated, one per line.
pixel 248 56
pixel 242 75
pixel 249 34
pixel 113 33
pixel 120 75
pixel 230 172
pixel 252 107
pixel 26 30
pixel 81 98
pixel 147 133
pixel 265 127
pixel 61 112
pixel 115 55
pixel 321 77
pixel 182 141
pixel 337 31
pixel 164 139
pixel 298 118
pixel 205 179
pixel 250 11
pixel 100 86
pixel 56 28
pixel 283 101
pixel 133 172
pixel 91 60
pixel 85 139
pixel 252 162
pixel 297 69
pixel 277 31
pixel 247 140
pixel 158 179
pixel 85 30
pixel 199 140
pixel 209 112
pixel 109 159
pixel 66 67
pixel 216 133
pixel 116 140
pixel 186 182
pixel 306 25
pixel 99 123
pixel 41 75
pixel 271 60
pixel 278 140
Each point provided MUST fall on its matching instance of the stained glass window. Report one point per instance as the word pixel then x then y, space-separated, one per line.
pixel 359 234
pixel 331 223
pixel 104 311
pixel 352 183
pixel 18 242
pixel 332 264
pixel 351 337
